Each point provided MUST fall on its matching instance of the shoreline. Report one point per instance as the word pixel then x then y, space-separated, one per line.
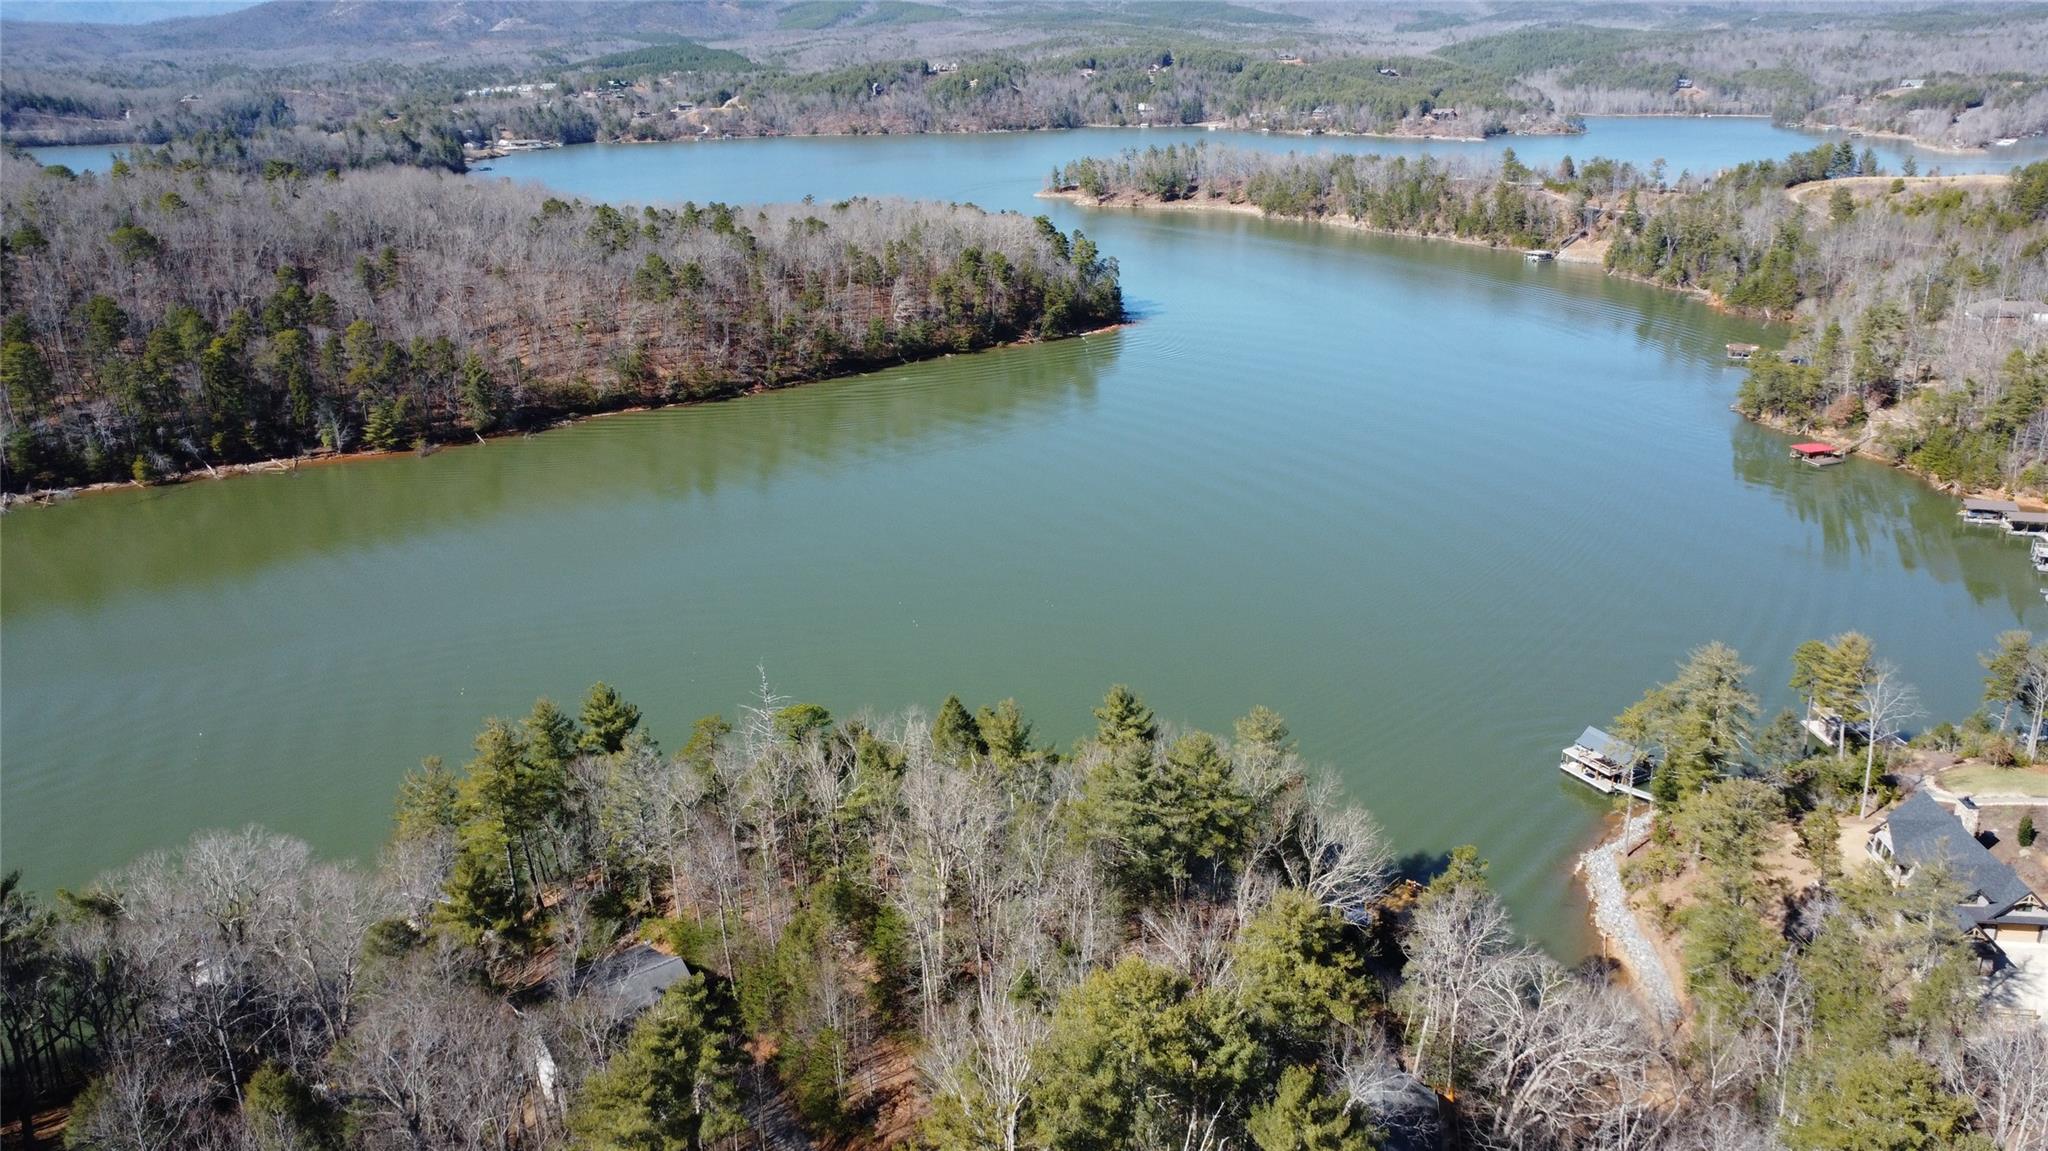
pixel 1917 142
pixel 1816 128
pixel 490 152
pixel 46 497
pixel 1202 126
pixel 1623 938
pixel 1581 255
pixel 1241 208
pixel 1562 129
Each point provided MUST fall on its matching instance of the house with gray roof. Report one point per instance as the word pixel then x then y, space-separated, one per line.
pixel 1997 904
pixel 634 978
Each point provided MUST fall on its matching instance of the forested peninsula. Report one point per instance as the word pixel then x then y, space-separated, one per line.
pixel 1914 298
pixel 940 932
pixel 165 320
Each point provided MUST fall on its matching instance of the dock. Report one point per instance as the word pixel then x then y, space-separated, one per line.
pixel 1606 764
pixel 1601 783
pixel 1818 454
pixel 1538 255
pixel 1823 728
pixel 2027 523
pixel 1742 351
pixel 1829 729
pixel 1989 513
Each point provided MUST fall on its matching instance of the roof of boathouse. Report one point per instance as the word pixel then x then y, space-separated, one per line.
pixel 1974 504
pixel 1816 448
pixel 1607 747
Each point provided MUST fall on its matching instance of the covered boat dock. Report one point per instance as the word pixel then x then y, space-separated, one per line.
pixel 1818 454
pixel 2027 523
pixel 1607 764
pixel 1988 512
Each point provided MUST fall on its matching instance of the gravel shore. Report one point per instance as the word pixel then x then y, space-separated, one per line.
pixel 1616 921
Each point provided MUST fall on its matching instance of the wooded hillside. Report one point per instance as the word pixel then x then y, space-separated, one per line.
pixel 1502 204
pixel 941 933
pixel 160 321
pixel 322 83
pixel 1900 286
pixel 1913 295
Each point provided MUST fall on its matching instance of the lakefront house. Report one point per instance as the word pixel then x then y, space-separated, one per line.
pixel 1997 906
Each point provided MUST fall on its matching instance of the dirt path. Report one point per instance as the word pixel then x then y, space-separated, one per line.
pixel 1866 188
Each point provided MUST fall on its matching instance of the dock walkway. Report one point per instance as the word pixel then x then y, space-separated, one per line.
pixel 1611 787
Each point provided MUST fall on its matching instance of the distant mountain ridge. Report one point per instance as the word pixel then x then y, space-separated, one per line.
pixel 115 11
pixel 406 30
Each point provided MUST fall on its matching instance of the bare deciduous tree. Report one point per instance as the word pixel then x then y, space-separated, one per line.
pixel 1887 702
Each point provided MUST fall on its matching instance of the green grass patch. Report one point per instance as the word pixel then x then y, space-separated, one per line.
pixel 1984 779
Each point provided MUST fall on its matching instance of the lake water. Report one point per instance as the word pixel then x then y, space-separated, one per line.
pixel 1439 507
pixel 875 166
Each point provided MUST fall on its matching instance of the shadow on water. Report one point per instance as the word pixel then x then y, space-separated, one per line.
pixel 1422 866
pixel 80 552
pixel 1137 311
pixel 1860 510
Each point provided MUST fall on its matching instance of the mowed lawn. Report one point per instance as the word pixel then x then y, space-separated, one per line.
pixel 1984 779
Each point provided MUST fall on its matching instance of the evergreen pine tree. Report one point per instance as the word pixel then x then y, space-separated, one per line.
pixel 607 720
pixel 955 733
pixel 1006 734
pixel 673 1087
pixel 479 394
pixel 551 736
pixel 1124 720
pixel 1300 1117
pixel 426 801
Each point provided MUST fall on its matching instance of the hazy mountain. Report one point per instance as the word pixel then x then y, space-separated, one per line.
pixel 114 11
pixel 392 29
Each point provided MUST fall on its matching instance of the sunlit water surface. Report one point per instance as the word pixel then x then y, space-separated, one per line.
pixel 1439 507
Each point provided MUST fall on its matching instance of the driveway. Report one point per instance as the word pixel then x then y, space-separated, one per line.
pixel 2021 985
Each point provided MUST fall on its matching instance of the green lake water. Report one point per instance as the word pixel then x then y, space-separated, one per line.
pixel 1439 507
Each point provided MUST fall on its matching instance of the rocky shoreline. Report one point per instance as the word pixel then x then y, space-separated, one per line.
pixel 1616 921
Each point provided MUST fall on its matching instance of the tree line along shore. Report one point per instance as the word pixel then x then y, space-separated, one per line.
pixel 164 320
pixel 939 931
pixel 418 91
pixel 1917 302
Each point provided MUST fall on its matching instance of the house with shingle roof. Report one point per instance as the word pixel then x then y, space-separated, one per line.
pixel 634 978
pixel 1997 904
